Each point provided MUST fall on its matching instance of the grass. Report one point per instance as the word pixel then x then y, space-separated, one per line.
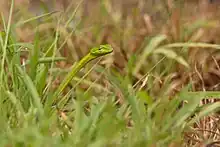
pixel 150 100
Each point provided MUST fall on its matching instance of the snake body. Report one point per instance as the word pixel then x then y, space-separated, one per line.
pixel 93 54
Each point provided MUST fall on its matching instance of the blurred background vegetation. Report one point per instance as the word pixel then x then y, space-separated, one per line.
pixel 128 26
pixel 146 59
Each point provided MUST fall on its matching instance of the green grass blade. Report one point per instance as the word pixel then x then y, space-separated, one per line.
pixel 19 24
pixel 41 79
pixel 34 56
pixel 4 49
pixel 32 89
pixel 17 104
pixel 44 60
pixel 206 111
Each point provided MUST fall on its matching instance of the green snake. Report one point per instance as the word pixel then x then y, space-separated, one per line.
pixel 93 54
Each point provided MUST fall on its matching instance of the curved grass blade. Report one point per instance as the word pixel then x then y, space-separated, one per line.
pixel 171 54
pixel 147 51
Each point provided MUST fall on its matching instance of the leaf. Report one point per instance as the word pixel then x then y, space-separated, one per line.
pixel 145 97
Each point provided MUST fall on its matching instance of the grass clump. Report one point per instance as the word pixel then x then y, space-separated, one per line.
pixel 139 103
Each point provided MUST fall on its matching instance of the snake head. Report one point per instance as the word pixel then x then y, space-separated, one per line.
pixel 101 50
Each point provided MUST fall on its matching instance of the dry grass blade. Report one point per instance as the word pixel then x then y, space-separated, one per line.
pixel 147 51
pixel 191 44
